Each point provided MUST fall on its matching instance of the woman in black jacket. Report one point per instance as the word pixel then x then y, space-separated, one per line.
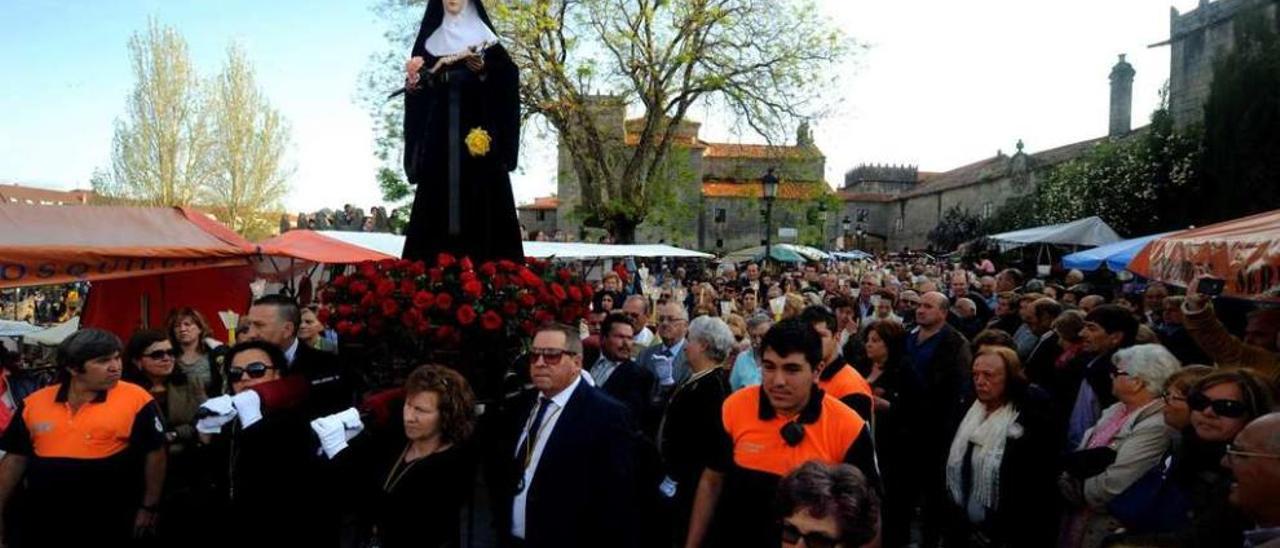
pixel 896 416
pixel 997 472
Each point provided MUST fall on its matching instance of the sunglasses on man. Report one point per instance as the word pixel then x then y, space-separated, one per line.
pixel 255 370
pixel 162 354
pixel 550 356
pixel 1231 409
pixel 791 535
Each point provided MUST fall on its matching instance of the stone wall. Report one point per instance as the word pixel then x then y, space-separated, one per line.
pixel 1197 39
pixel 540 220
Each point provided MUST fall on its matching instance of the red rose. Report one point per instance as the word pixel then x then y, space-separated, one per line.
pixel 436 274
pixel 588 291
pixel 529 278
pixel 510 308
pixel 468 276
pixel 344 328
pixel 444 301
pixel 558 292
pixel 403 264
pixel 445 260
pixel 410 318
pixel 386 287
pixel 528 327
pixel 423 299
pixel 575 294
pixel 390 308
pixel 466 264
pixel 444 333
pixel 564 274
pixel 340 281
pixel 323 315
pixel 466 315
pixel 359 288
pixel 367 270
pixel 418 268
pixel 369 300
pixel 488 269
pixel 543 316
pixel 344 310
pixel 507 265
pixel 356 329
pixel 408 286
pixel 491 321
pixel 473 288
pixel 387 264
pixel 527 300
pixel 423 327
pixel 498 281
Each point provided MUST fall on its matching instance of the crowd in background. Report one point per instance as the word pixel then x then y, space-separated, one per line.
pixel 890 402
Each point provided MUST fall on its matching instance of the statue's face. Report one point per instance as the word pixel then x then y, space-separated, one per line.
pixel 454 7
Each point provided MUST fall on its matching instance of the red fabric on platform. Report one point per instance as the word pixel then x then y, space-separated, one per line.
pixel 117 305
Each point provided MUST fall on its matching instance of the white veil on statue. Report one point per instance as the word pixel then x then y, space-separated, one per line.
pixel 458 33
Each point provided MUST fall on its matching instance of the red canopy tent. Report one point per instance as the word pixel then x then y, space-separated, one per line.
pixel 310 246
pixel 1244 252
pixel 144 261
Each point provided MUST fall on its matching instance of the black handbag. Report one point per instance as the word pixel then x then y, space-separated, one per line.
pixel 1088 463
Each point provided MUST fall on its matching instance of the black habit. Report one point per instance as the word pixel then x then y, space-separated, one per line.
pixel 479 220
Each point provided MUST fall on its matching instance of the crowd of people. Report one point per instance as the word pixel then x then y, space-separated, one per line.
pixel 893 402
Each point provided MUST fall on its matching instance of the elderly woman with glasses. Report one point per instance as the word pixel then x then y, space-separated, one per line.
pixel 691 425
pixel 1192 507
pixel 1126 442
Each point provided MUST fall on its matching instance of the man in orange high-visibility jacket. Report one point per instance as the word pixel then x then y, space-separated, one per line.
pixel 91 449
pixel 836 376
pixel 770 430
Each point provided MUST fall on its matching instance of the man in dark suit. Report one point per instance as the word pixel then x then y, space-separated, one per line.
pixel 570 455
pixel 617 375
pixel 275 319
pixel 1040 364
pixel 666 359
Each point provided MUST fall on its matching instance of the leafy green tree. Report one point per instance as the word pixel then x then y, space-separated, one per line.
pixel 957 226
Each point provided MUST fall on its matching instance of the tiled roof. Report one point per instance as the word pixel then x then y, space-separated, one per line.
pixel 787 190
pixel 543 203
pixel 731 150
pixel 997 166
pixel 633 139
pixel 847 196
pixel 15 193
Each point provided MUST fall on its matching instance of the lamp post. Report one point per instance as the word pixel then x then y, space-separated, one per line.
pixel 822 217
pixel 845 225
pixel 861 235
pixel 769 184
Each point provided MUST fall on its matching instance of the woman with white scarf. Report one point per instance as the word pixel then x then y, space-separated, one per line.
pixel 998 467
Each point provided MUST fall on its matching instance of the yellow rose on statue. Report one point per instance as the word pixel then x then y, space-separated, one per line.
pixel 478 142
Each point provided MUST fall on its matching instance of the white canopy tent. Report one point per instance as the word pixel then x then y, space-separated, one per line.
pixel 392 244
pixel 1086 232
pixel 54 335
pixel 10 328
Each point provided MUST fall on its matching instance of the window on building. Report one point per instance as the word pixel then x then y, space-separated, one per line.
pixel 542 215
pixel 720 214
pixel 988 209
pixel 720 241
pixel 897 224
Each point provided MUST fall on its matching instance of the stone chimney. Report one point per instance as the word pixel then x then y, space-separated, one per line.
pixel 1121 98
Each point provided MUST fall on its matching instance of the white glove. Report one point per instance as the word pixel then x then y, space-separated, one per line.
pixel 662 366
pixel 223 411
pixel 248 407
pixel 351 423
pixel 332 434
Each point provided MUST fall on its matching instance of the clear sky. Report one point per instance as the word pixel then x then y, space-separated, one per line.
pixel 943 84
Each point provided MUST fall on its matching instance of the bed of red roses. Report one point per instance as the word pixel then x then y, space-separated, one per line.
pixel 411 311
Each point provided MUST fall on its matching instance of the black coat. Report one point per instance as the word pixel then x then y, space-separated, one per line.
pixel 582 492
pixel 488 228
pixel 633 387
pixel 946 386
pixel 334 386
pixel 691 427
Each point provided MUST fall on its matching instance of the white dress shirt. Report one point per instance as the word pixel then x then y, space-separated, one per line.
pixel 549 421
pixel 292 351
pixel 644 337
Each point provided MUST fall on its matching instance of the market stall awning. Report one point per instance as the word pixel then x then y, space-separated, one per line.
pixel 57 244
pixel 1089 231
pixel 393 245
pixel 11 328
pixel 54 335
pixel 1115 257
pixel 853 255
pixel 319 247
pixel 787 253
pixel 1244 252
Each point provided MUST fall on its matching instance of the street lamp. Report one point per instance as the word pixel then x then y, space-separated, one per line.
pixel 769 184
pixel 822 217
pixel 845 226
pixel 861 234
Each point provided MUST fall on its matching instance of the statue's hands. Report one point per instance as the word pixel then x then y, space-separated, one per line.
pixel 475 63
pixel 412 70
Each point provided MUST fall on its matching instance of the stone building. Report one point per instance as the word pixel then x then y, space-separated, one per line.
pixel 1197 39
pixel 13 193
pixel 539 216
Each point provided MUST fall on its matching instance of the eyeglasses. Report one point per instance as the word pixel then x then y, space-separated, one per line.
pixel 792 535
pixel 255 370
pixel 670 319
pixel 1233 452
pixel 1231 409
pixel 550 356
pixel 162 354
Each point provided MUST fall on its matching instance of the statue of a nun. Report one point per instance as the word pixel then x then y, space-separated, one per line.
pixel 461 137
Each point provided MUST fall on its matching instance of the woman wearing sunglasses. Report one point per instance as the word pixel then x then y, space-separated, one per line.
pixel 828 506
pixel 151 362
pixel 1220 405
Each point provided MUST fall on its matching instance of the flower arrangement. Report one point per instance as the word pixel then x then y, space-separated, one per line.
pixel 443 306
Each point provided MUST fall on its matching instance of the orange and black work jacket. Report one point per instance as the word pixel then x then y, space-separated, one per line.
pixel 88 462
pixel 842 382
pixel 754 456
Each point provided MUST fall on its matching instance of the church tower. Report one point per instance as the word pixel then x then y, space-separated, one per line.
pixel 1121 98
